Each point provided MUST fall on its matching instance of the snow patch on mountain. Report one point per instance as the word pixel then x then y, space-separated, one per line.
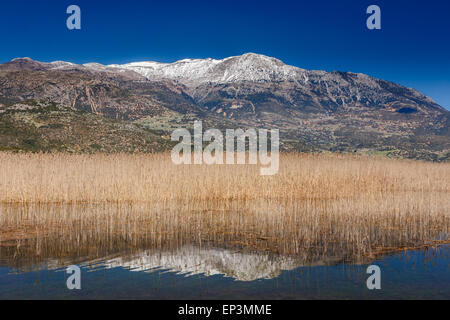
pixel 248 67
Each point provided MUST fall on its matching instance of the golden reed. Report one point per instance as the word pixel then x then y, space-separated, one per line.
pixel 61 178
pixel 319 207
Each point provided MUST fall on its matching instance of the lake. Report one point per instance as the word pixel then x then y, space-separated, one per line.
pixel 193 273
pixel 133 252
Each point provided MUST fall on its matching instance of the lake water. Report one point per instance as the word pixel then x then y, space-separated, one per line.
pixel 191 272
pixel 238 251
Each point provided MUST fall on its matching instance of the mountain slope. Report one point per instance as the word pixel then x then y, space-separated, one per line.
pixel 314 110
pixel 36 127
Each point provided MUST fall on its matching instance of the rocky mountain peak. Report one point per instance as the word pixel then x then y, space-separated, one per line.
pixel 314 110
pixel 23 64
pixel 192 72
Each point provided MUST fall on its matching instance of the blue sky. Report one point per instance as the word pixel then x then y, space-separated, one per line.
pixel 412 49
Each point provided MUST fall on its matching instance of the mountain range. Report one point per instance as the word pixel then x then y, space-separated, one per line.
pixel 131 107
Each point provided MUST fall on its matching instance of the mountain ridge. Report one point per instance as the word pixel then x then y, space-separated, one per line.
pixel 314 110
pixel 138 67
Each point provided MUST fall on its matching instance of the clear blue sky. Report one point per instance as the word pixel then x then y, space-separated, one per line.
pixel 413 47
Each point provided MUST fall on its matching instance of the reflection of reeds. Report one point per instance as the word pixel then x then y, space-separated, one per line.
pixel 316 208
pixel 326 231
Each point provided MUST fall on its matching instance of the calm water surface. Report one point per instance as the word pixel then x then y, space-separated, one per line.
pixel 211 273
pixel 267 251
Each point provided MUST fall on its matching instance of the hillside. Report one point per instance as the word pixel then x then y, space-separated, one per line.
pixel 314 110
pixel 37 127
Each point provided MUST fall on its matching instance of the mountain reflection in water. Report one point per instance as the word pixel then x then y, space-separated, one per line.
pixel 244 241
pixel 190 261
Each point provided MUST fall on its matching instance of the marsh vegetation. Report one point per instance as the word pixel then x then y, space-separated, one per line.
pixel 318 209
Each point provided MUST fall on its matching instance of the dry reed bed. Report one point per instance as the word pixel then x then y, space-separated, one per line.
pixel 319 207
pixel 59 178
pixel 318 231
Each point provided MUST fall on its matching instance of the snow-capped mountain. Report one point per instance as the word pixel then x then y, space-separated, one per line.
pixel 248 67
pixel 313 109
